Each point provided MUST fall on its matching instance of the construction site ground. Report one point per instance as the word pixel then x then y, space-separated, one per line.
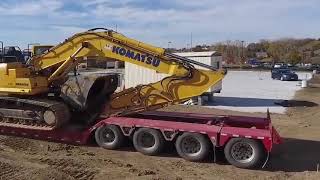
pixel 296 158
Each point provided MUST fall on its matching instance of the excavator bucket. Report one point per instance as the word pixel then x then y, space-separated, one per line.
pixel 89 93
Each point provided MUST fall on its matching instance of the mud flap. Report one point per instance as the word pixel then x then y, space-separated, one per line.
pixel 266 161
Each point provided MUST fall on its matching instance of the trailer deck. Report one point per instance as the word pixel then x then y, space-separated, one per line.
pixel 219 130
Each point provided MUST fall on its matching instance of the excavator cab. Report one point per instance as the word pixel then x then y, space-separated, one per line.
pixel 36 50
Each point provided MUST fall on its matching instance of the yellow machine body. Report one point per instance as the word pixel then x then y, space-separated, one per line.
pixel 17 79
pixel 50 67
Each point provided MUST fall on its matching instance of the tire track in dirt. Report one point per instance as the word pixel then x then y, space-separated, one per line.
pixel 138 171
pixel 19 144
pixel 69 167
pixel 12 171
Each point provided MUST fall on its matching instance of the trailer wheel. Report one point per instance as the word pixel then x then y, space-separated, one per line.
pixel 148 141
pixel 244 153
pixel 192 146
pixel 109 137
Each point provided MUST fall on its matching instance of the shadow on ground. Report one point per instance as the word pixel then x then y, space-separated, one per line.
pixel 257 102
pixel 296 103
pixel 295 155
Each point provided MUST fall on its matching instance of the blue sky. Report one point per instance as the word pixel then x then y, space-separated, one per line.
pixel 157 22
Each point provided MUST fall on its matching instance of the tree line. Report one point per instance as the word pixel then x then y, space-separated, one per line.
pixel 286 50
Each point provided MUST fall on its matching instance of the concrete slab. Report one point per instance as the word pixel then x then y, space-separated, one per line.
pixel 255 91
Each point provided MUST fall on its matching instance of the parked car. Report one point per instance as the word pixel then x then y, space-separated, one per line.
pixel 284 75
pixel 267 65
pixel 254 63
pixel 280 65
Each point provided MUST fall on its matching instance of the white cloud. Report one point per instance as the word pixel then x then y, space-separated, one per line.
pixel 246 19
pixel 69 30
pixel 98 2
pixel 172 20
pixel 35 7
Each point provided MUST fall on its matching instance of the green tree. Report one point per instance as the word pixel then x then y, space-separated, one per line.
pixel 295 57
pixel 198 48
pixel 275 50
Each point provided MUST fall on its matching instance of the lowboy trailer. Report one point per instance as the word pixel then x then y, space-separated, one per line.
pixel 246 141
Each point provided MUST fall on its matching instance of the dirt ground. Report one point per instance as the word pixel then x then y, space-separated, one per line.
pixel 296 158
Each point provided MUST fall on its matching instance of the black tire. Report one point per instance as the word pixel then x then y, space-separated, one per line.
pixel 148 141
pixel 193 146
pixel 252 155
pixel 109 137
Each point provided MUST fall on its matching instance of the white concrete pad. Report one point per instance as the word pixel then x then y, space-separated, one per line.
pixel 255 91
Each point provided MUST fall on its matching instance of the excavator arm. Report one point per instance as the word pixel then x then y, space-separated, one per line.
pixel 185 81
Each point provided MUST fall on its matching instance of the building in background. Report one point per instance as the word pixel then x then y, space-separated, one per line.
pixel 261 55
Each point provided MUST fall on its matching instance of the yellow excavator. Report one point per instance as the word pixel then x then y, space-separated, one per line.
pixel 44 94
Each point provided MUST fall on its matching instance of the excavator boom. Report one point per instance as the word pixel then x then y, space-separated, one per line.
pixel 185 82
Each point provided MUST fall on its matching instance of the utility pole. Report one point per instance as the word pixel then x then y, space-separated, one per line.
pixel 191 43
pixel 169 42
pixel 242 52
pixel 116 27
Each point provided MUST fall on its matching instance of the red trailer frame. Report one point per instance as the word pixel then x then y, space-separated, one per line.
pixel 219 129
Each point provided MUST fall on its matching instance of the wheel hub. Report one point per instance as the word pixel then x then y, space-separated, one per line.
pixel 147 140
pixel 190 146
pixel 109 136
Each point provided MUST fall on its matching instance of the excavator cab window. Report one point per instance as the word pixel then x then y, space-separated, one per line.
pixel 40 49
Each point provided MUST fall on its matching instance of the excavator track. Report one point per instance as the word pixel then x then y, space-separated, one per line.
pixel 36 113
